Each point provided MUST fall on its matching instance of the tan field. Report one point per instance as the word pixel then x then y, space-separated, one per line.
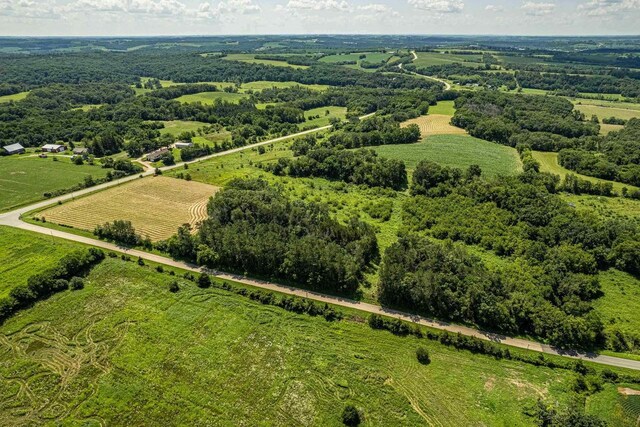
pixel 156 206
pixel 435 124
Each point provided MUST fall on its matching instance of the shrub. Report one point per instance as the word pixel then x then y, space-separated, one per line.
pixel 140 261
pixel 350 416
pixel 423 355
pixel 173 287
pixel 204 281
pixel 76 283
pixel 160 269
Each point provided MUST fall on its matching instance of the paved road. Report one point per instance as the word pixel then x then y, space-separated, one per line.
pixel 12 219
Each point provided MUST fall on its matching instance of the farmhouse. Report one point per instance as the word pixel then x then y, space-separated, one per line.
pixel 154 156
pixel 53 148
pixel 14 149
pixel 80 151
pixel 183 144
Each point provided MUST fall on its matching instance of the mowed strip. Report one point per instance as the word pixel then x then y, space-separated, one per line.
pixel 156 206
pixel 435 124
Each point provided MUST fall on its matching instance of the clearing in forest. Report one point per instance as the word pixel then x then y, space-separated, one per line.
pixel 435 124
pixel 458 151
pixel 155 206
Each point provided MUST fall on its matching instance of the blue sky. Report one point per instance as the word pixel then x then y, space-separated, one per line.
pixel 186 17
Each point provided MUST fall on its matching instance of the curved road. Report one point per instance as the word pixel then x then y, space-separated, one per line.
pixel 13 219
pixel 446 84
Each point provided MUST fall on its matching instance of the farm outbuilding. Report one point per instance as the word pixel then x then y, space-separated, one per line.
pixel 14 149
pixel 80 151
pixel 183 144
pixel 53 148
pixel 154 156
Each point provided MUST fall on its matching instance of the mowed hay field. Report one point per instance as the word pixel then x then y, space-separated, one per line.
pixel 435 124
pixel 458 151
pixel 209 98
pixel 24 179
pixel 606 111
pixel 156 206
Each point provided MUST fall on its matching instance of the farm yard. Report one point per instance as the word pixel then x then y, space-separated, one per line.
pixel 119 337
pixel 25 178
pixel 156 206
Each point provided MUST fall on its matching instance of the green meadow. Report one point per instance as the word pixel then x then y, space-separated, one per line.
pixel 428 59
pixel 15 97
pixel 26 178
pixel 209 98
pixel 106 355
pixel 250 58
pixel 325 113
pixel 458 151
pixel 549 163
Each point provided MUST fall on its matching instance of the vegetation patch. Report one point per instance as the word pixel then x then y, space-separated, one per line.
pixel 435 124
pixel 456 151
pixel 209 98
pixel 25 179
pixel 155 206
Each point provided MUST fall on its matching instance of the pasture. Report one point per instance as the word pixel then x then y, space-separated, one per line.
pixel 549 163
pixel 176 127
pixel 435 124
pixel 126 351
pixel 458 151
pixel 209 98
pixel 620 304
pixel 25 178
pixel 251 59
pixel 156 206
pixel 15 97
pixel 607 129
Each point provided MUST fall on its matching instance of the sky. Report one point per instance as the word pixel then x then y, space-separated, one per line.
pixel 219 17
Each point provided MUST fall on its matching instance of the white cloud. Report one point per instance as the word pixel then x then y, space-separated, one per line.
pixel 441 6
pixel 148 7
pixel 538 9
pixel 229 7
pixel 608 7
pixel 317 5
pixel 376 8
pixel 494 8
pixel 28 9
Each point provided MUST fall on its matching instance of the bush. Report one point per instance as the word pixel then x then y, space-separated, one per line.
pixel 423 355
pixel 173 287
pixel 204 281
pixel 76 283
pixel 350 416
pixel 160 269
pixel 140 261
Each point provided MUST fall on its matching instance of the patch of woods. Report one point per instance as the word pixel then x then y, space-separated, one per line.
pixel 549 123
pixel 66 274
pixel 360 167
pixel 252 227
pixel 555 252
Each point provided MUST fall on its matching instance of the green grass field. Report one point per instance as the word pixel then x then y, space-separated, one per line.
pixel 605 207
pixel 176 127
pixel 126 351
pixel 209 98
pixel 23 254
pixel 620 305
pixel 324 120
pixel 443 107
pixel 606 112
pixel 15 97
pixel 261 85
pixel 25 179
pixel 249 58
pixel 459 151
pixel 549 163
pixel 427 59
